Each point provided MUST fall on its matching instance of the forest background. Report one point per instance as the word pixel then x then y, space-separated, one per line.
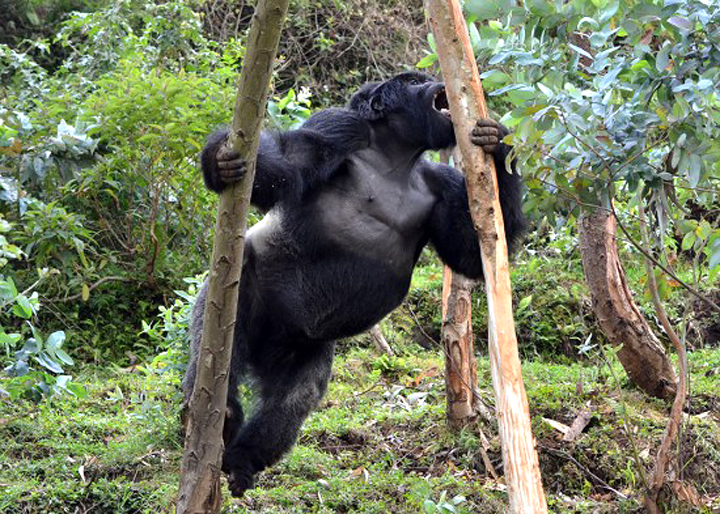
pixel 106 229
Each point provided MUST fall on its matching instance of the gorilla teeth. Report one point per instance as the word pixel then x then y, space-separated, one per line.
pixel 440 103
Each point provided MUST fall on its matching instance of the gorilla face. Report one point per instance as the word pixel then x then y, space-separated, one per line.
pixel 414 105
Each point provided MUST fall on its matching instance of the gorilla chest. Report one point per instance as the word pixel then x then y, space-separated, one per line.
pixel 374 215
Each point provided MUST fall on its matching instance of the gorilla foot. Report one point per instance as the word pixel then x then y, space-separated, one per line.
pixel 238 466
pixel 239 481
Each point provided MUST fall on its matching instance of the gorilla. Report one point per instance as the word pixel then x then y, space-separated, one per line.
pixel 350 203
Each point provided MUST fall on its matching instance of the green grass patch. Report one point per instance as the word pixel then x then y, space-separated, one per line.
pixel 378 443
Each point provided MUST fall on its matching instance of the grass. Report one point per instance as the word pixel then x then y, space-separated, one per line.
pixel 378 443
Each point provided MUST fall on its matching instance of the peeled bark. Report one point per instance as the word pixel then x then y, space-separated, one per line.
pixel 641 353
pixel 457 340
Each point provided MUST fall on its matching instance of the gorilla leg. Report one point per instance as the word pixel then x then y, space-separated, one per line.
pixel 288 393
pixel 234 414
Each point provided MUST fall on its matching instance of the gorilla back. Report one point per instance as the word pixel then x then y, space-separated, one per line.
pixel 350 205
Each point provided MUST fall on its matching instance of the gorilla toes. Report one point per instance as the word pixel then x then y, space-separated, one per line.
pixel 231 167
pixel 487 133
pixel 239 481
pixel 237 465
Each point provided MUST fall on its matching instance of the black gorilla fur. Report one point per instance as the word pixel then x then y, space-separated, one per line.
pixel 350 204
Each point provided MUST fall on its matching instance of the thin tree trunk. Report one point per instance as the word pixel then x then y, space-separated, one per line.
pixel 200 469
pixel 467 104
pixel 672 429
pixel 641 354
pixel 457 340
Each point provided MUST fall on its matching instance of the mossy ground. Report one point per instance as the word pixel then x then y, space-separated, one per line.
pixel 378 444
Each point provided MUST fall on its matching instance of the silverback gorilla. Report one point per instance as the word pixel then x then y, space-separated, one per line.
pixel 350 204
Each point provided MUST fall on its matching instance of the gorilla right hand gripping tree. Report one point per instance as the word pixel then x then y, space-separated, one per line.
pixel 350 205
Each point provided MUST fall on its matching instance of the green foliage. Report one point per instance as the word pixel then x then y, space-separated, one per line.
pixel 166 34
pixel 443 505
pixel 111 202
pixel 611 99
pixel 52 236
pixel 7 250
pixel 20 74
pixel 35 369
pixel 290 111
pixel 392 366
pixel 25 20
pixel 67 154
pixel 169 330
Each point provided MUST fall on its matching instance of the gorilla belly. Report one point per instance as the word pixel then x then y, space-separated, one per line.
pixel 346 295
pixel 321 288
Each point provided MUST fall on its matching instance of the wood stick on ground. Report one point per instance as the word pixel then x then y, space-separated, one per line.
pixel 578 425
pixel 200 468
pixel 380 342
pixel 467 104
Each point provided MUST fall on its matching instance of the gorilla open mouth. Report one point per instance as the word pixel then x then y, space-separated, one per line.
pixel 440 103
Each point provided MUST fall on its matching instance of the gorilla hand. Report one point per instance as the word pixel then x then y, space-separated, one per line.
pixel 231 167
pixel 488 134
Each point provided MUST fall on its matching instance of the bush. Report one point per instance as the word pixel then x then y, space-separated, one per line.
pixel 36 368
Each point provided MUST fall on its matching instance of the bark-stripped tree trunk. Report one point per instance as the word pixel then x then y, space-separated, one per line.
pixel 467 104
pixel 457 340
pixel 641 354
pixel 200 469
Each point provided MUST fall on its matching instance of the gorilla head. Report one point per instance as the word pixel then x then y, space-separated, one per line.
pixel 414 105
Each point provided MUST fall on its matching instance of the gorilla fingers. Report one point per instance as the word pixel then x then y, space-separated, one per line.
pixel 488 133
pixel 231 167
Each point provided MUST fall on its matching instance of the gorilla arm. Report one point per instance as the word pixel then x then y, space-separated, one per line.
pixel 289 164
pixel 452 232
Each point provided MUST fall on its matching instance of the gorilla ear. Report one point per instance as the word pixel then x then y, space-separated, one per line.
pixel 369 102
pixel 376 104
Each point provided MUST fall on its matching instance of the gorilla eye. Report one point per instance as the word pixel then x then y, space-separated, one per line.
pixel 414 82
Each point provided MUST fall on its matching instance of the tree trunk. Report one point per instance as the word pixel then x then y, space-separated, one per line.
pixel 200 468
pixel 467 104
pixel 457 340
pixel 641 354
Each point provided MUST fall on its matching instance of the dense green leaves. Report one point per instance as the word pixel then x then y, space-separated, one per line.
pixel 33 368
pixel 609 97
